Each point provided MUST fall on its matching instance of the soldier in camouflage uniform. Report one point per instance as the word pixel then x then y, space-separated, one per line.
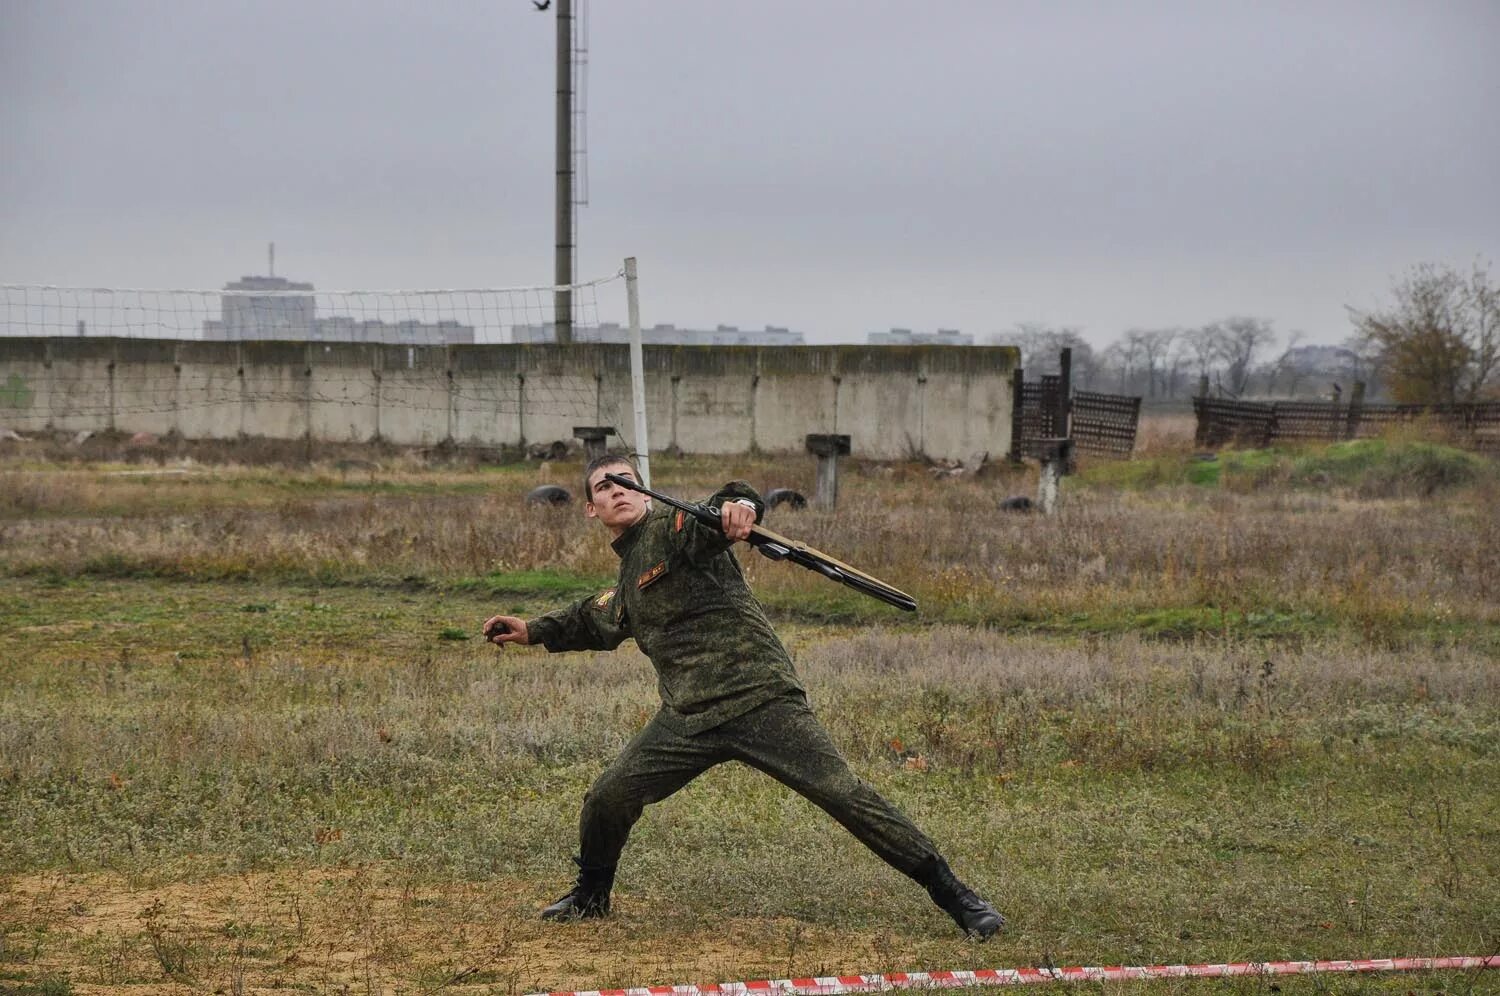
pixel 728 690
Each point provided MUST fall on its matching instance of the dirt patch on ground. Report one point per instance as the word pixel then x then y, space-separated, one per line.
pixel 376 929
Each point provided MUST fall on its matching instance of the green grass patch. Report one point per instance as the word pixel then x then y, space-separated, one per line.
pixel 1202 470
pixel 1376 468
pixel 316 603
pixel 1371 468
pixel 523 584
pixel 535 583
pixel 1412 627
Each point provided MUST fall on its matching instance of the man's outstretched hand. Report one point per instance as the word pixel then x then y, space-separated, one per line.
pixel 501 630
pixel 736 519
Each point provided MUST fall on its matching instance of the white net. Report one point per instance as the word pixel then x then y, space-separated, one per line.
pixel 272 308
pixel 267 357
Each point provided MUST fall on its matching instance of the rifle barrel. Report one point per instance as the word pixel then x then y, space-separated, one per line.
pixel 798 553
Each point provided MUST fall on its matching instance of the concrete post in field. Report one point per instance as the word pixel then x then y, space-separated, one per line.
pixel 595 439
pixel 827 447
pixel 1057 459
pixel 638 374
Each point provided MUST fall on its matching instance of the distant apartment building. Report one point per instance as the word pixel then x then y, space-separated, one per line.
pixel 402 333
pixel 664 335
pixel 906 337
pixel 263 308
pixel 277 308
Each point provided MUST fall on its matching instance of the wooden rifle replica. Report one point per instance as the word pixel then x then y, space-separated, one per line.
pixel 778 547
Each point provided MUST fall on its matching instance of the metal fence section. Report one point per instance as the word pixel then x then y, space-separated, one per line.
pixel 1241 423
pixel 1035 415
pixel 1223 422
pixel 1100 425
pixel 1105 424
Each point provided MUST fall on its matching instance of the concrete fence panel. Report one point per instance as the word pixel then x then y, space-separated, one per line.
pixel 943 402
pixel 25 385
pixel 345 385
pixel 209 390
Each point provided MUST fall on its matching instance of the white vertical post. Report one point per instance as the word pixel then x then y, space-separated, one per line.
pixel 637 372
pixel 1046 487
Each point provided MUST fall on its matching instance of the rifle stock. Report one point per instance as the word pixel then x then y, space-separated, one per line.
pixel 779 547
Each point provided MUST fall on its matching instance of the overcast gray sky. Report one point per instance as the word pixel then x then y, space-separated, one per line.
pixel 836 166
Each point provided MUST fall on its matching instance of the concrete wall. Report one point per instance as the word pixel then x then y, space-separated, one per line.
pixel 893 401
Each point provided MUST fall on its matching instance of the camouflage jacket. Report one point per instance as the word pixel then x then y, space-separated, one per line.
pixel 681 595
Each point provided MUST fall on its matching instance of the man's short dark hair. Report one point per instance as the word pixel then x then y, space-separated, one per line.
pixel 606 460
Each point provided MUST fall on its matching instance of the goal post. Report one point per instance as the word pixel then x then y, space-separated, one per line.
pixel 637 371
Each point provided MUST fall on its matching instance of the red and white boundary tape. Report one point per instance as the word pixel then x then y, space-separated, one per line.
pixel 830 985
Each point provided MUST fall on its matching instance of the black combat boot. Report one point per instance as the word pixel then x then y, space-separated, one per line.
pixel 977 918
pixel 589 896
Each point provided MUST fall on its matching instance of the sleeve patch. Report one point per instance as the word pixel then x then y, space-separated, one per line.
pixel 681 516
pixel 603 600
pixel 652 575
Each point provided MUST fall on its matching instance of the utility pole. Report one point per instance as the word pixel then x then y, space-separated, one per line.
pixel 562 305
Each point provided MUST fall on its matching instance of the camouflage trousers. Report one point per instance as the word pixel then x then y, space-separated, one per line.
pixel 782 738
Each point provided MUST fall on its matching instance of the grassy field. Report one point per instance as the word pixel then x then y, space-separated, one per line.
pixel 1213 711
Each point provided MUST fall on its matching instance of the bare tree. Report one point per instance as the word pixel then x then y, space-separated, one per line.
pixel 1284 374
pixel 1239 341
pixel 1365 362
pixel 1179 362
pixel 1482 307
pixel 1041 345
pixel 1120 360
pixel 1153 346
pixel 1439 343
pixel 1203 346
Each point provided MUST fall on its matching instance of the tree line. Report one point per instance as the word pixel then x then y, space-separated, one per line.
pixel 1437 341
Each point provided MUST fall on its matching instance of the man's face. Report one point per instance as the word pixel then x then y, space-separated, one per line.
pixel 618 508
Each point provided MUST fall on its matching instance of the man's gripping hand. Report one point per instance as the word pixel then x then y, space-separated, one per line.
pixel 736 518
pixel 501 630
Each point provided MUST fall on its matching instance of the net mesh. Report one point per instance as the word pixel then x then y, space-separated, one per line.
pixel 274 358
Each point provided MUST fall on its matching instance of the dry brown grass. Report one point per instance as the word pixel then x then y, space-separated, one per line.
pixel 1160 433
pixel 1370 563
pixel 65 448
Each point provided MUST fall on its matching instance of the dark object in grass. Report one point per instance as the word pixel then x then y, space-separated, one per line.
pixel 777 497
pixel 549 494
pixel 555 450
pixel 1016 503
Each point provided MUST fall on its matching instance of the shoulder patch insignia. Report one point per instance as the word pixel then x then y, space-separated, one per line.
pixel 603 600
pixel 680 517
pixel 652 575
